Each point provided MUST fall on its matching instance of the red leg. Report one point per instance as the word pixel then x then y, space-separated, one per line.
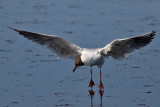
pixel 101 84
pixel 91 81
pixel 91 84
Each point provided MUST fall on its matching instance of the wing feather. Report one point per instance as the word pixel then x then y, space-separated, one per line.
pixel 58 45
pixel 120 48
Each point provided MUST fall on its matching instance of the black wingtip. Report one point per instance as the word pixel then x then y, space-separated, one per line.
pixel 13 29
pixel 17 30
pixel 10 27
pixel 153 32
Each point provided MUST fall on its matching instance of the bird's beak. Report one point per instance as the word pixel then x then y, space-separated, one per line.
pixel 75 68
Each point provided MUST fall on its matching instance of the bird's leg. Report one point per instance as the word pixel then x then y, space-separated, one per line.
pixel 91 81
pixel 101 84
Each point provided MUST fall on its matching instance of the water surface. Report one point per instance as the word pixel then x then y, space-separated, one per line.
pixel 32 76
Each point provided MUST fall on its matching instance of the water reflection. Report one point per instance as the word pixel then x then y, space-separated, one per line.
pixel 101 91
pixel 91 93
pixel 101 94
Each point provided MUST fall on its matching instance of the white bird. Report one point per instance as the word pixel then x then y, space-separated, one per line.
pixel 118 49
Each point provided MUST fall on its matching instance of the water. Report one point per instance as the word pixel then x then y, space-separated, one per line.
pixel 32 76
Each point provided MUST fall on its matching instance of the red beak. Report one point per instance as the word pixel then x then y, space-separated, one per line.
pixel 74 68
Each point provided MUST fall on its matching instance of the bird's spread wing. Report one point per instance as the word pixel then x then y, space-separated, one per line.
pixel 58 45
pixel 120 48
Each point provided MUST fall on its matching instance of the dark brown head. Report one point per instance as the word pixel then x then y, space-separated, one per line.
pixel 78 63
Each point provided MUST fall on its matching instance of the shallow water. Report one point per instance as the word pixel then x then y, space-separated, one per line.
pixel 32 76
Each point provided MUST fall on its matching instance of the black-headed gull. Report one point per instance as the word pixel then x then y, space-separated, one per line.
pixel 118 49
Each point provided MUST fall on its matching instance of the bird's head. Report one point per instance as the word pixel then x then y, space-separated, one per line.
pixel 78 63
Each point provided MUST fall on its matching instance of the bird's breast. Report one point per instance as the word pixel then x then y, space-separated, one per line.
pixel 92 57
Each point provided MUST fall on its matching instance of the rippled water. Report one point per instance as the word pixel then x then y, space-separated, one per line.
pixel 32 76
